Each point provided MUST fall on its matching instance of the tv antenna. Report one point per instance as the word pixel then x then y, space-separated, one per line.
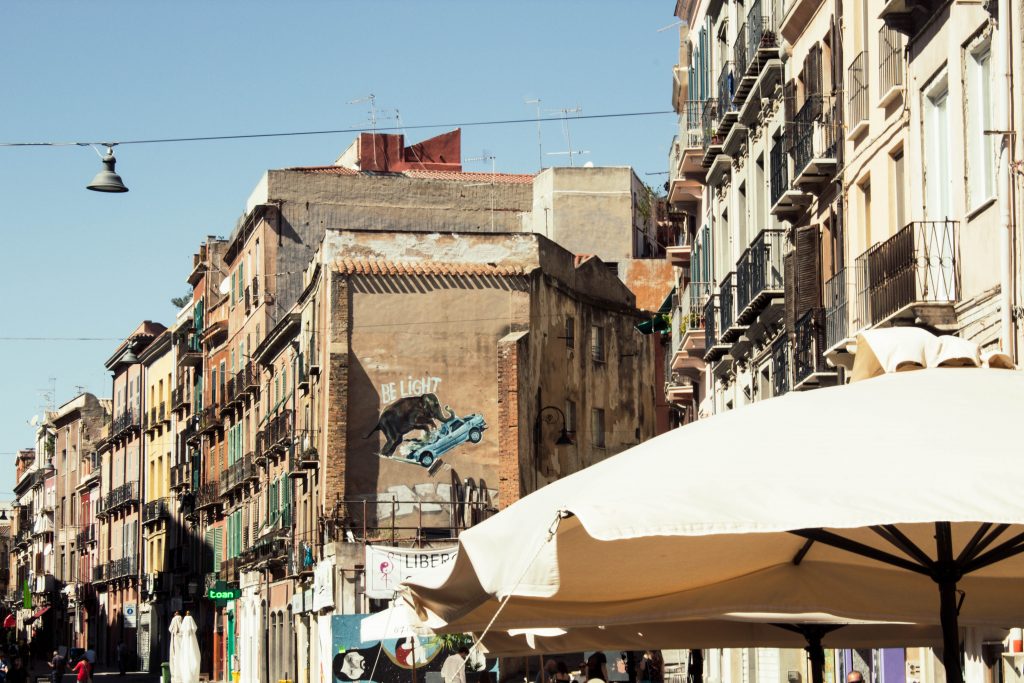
pixel 570 152
pixel 373 108
pixel 487 156
pixel 540 146
pixel 46 397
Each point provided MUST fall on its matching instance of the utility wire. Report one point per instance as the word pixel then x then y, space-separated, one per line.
pixel 249 136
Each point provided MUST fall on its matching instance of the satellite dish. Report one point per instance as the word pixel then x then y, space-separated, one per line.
pixel 34 421
pixel 225 286
pixel 589 164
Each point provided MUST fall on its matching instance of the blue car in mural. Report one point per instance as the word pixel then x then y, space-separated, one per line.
pixel 452 432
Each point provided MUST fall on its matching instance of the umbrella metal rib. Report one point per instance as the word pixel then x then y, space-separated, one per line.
pixel 946 570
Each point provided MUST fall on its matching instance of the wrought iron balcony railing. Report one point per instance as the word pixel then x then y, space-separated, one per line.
pixel 727 302
pixel 890 61
pixel 691 137
pixel 759 272
pixel 837 314
pixel 814 137
pixel 917 265
pixel 709 124
pixel 780 365
pixel 740 50
pixel 696 303
pixel 710 326
pixel 125 494
pixel 760 31
pixel 155 510
pixel 857 87
pixel 809 346
pixel 779 169
pixel 86 535
pixel 208 495
pixel 726 90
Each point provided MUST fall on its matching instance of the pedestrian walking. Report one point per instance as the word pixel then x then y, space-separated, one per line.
pixel 90 656
pixel 83 670
pixel 562 672
pixel 58 666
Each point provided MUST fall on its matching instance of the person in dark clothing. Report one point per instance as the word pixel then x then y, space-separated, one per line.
pixel 58 666
pixel 597 666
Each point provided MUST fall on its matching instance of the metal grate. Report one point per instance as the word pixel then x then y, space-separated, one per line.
pixel 814 134
pixel 726 89
pixel 739 51
pixel 779 170
pixel 727 302
pixel 780 365
pixel 809 348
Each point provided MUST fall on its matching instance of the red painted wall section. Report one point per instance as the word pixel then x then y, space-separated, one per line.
pixel 387 153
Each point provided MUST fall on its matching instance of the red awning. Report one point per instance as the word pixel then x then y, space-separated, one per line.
pixel 10 621
pixel 40 612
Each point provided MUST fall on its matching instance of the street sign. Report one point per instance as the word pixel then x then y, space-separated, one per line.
pixel 129 615
pixel 220 593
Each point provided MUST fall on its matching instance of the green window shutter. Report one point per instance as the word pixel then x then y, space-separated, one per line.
pixel 218 548
pixel 234 281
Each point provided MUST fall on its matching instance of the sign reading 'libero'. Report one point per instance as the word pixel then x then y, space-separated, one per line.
pixel 386 567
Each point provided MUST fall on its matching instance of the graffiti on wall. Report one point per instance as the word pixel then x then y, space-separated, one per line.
pixel 354 659
pixel 441 429
pixel 410 386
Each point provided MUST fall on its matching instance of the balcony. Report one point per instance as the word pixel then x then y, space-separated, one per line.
pixel 729 327
pixel 780 365
pixel 759 274
pixel 248 300
pixel 739 61
pixel 787 204
pixel 728 111
pixel 126 567
pixel 809 367
pixel 162 414
pixel 250 378
pixel 913 276
pixel 255 288
pixel 189 349
pixel 208 495
pixel 908 16
pixel 85 536
pixel 680 390
pixel 857 102
pixel 123 496
pixel 155 510
pixel 278 432
pixel 129 420
pixel 814 143
pixel 99 573
pixel 837 314
pixel 180 478
pixel 709 124
pixel 179 398
pixel 238 474
pixel 713 346
pixel 890 66
pixel 209 419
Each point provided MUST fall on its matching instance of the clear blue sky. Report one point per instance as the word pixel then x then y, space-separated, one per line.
pixel 84 264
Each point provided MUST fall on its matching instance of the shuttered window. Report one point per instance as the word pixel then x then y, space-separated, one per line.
pixel 789 111
pixel 808 269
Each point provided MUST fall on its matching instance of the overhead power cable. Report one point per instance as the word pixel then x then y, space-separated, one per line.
pixel 250 136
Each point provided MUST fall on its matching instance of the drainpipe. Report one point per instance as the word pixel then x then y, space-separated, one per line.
pixel 1004 178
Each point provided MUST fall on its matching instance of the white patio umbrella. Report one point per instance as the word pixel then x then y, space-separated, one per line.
pixel 854 501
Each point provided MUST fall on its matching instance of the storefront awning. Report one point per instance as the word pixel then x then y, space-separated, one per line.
pixel 40 612
pixel 10 621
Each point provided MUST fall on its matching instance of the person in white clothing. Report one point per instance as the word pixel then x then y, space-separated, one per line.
pixel 454 668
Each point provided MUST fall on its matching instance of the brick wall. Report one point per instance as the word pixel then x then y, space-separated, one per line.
pixel 511 348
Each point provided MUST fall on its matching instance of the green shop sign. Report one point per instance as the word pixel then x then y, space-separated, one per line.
pixel 221 593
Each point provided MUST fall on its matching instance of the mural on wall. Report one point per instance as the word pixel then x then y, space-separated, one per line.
pixel 353 659
pixel 442 430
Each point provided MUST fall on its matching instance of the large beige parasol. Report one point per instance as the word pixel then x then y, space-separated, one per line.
pixel 861 502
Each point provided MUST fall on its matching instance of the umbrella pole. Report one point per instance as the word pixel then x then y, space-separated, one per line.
pixel 950 631
pixel 695 669
pixel 816 655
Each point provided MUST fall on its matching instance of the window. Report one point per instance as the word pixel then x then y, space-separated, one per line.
pixel 980 147
pixel 597 427
pixel 570 417
pixel 938 179
pixel 597 343
pixel 570 332
pixel 896 199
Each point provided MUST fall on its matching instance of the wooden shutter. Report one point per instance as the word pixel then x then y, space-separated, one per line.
pixel 812 72
pixel 218 548
pixel 808 269
pixel 789 111
pixel 789 290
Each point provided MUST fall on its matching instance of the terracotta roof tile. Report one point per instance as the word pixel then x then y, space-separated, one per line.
pixel 349 266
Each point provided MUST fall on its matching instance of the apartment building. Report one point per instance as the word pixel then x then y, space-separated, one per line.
pixel 77 427
pixel 814 169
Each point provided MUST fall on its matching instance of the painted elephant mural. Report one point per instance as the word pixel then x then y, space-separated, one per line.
pixel 405 415
pixel 421 412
